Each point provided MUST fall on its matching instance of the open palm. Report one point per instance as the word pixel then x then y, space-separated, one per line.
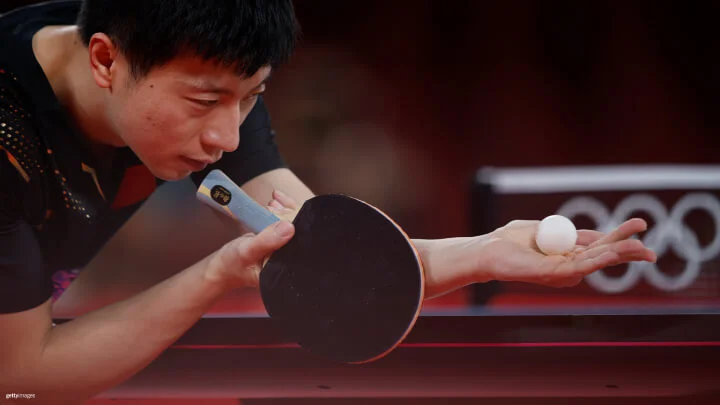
pixel 518 258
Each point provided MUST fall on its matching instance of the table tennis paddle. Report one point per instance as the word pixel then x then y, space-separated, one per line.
pixel 348 286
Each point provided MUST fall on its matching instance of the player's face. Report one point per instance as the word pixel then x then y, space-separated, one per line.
pixel 183 115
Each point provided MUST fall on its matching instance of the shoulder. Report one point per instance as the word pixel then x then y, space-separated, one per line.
pixel 22 165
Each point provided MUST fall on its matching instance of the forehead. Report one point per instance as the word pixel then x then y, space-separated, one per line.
pixel 194 67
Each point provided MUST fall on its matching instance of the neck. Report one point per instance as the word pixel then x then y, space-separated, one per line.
pixel 64 59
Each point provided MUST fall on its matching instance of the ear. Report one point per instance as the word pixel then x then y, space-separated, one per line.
pixel 103 59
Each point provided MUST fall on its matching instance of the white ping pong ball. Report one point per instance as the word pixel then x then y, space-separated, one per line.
pixel 556 235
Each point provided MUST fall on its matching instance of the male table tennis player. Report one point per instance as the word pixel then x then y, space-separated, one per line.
pixel 101 98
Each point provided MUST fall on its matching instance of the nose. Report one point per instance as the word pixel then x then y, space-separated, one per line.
pixel 223 131
pixel 217 141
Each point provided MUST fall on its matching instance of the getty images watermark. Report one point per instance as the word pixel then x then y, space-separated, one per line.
pixel 19 396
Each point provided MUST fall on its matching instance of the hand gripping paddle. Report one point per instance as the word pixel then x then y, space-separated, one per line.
pixel 348 286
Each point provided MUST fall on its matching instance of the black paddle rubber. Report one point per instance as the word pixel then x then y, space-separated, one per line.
pixel 349 285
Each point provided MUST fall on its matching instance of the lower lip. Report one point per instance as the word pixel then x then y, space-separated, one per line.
pixel 194 165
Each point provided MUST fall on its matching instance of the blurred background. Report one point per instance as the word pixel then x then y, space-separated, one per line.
pixel 401 104
pixel 406 104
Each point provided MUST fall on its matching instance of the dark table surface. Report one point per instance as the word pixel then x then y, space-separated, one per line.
pixel 663 352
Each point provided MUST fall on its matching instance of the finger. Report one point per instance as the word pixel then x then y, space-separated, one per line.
pixel 603 256
pixel 629 250
pixel 587 236
pixel 622 232
pixel 285 199
pixel 275 204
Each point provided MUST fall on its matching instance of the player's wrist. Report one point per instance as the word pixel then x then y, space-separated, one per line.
pixel 453 263
pixel 478 259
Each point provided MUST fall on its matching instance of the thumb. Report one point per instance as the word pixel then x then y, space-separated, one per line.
pixel 253 248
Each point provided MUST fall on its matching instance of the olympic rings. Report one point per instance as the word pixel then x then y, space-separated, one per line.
pixel 669 231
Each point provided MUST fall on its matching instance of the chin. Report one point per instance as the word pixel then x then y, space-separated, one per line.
pixel 169 174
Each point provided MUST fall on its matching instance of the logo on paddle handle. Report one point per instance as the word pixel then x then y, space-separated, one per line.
pixel 221 195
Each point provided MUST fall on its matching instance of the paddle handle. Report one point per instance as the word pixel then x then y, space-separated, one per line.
pixel 219 192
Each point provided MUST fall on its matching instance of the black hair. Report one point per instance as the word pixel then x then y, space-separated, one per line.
pixel 243 34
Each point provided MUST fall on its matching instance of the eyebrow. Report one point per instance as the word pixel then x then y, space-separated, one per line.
pixel 207 87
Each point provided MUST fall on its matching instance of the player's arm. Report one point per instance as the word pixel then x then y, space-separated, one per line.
pixel 100 349
pixel 450 263
pixel 508 253
pixel 448 266
pixel 263 188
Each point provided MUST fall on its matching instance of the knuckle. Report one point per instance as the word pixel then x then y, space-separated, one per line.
pixel 242 248
pixel 252 274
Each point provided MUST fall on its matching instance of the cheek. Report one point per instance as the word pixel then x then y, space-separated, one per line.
pixel 158 128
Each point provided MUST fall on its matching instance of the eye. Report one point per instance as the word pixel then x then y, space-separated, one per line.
pixel 205 102
pixel 254 96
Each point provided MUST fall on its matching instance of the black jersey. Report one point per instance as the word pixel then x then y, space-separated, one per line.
pixel 58 206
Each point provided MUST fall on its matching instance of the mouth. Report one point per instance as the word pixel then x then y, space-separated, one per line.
pixel 195 165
